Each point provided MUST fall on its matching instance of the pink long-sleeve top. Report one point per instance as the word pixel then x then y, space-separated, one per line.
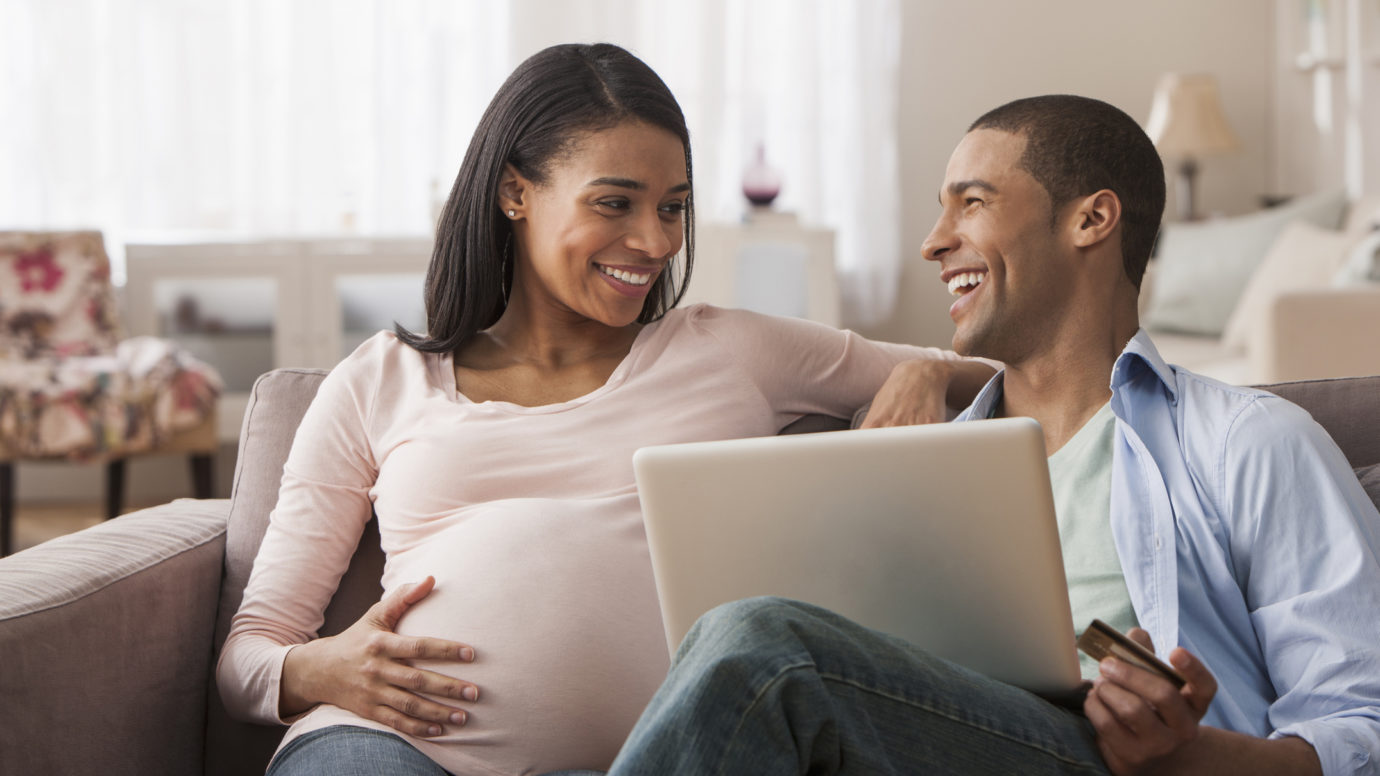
pixel 528 518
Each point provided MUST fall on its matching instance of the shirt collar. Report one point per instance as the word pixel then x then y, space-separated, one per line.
pixel 1139 356
pixel 985 404
pixel 1136 359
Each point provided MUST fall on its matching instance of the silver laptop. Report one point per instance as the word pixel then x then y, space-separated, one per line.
pixel 943 535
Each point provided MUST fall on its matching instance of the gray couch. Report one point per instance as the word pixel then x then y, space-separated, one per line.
pixel 108 637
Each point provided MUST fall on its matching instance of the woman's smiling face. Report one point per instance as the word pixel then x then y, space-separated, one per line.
pixel 593 237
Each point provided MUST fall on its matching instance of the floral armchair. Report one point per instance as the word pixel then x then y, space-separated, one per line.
pixel 71 388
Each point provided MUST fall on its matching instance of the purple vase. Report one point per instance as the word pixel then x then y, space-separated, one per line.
pixel 761 183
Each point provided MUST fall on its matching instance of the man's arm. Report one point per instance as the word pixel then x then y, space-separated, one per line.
pixel 1305 549
pixel 1224 752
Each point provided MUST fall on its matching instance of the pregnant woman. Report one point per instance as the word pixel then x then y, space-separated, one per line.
pixel 519 630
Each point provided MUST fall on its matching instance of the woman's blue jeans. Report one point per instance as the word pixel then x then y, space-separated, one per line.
pixel 770 686
pixel 344 750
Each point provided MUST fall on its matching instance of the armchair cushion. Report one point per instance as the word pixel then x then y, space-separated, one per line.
pixel 58 300
pixel 68 386
pixel 126 401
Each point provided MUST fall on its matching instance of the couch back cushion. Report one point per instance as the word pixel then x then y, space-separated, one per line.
pixel 1370 481
pixel 277 403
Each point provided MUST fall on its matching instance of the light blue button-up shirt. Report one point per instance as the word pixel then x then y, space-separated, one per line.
pixel 1246 539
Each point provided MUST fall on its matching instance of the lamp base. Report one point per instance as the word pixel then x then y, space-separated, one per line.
pixel 1185 190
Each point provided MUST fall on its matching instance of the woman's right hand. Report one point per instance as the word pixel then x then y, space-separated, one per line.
pixel 366 669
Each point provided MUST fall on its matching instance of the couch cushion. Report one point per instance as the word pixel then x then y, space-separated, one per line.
pixel 1303 257
pixel 814 424
pixel 1363 216
pixel 277 403
pixel 1370 480
pixel 1361 263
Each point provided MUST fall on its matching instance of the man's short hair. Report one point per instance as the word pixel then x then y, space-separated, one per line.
pixel 1076 146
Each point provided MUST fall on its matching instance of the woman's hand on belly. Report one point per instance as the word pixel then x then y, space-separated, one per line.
pixel 366 669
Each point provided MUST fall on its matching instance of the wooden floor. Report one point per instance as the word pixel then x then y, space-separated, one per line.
pixel 35 523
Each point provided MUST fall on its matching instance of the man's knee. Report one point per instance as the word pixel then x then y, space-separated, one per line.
pixel 762 627
pixel 750 619
pixel 770 631
pixel 745 644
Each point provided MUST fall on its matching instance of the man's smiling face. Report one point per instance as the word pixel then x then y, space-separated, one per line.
pixel 997 248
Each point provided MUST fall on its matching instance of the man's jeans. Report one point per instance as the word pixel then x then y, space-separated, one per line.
pixel 343 750
pixel 770 686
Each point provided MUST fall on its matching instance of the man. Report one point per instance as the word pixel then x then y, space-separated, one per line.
pixel 1216 520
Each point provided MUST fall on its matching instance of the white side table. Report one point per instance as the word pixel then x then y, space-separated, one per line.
pixel 769 263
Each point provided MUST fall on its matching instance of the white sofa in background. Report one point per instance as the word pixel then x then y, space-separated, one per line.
pixel 1288 313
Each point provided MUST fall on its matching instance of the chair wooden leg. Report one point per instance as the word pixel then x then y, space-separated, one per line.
pixel 202 482
pixel 114 488
pixel 6 509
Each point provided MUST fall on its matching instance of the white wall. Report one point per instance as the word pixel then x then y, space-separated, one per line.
pixel 960 59
pixel 1312 134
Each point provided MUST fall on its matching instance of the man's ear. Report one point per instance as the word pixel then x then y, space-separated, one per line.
pixel 1095 217
pixel 512 191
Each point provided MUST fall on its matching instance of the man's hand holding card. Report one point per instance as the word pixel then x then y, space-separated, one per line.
pixel 1146 713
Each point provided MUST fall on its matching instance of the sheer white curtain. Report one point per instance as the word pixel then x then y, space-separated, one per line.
pixel 239 117
pixel 291 117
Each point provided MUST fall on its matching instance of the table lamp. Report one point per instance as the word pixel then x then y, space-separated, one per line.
pixel 1187 123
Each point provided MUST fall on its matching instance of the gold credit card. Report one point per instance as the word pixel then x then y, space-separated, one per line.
pixel 1101 640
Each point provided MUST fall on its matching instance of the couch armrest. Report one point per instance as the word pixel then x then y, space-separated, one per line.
pixel 105 644
pixel 1315 334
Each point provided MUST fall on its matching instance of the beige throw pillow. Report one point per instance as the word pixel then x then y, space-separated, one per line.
pixel 1303 257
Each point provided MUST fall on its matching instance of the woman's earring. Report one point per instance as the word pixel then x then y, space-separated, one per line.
pixel 512 214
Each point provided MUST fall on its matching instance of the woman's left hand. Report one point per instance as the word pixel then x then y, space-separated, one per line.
pixel 915 393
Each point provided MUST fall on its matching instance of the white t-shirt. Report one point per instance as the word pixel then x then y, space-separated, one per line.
pixel 1081 475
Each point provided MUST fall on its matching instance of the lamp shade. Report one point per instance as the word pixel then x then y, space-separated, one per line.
pixel 1186 118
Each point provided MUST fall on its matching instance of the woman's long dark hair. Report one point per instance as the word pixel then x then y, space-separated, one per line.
pixel 554 95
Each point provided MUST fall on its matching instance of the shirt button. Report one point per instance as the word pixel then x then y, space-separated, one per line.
pixel 1158 543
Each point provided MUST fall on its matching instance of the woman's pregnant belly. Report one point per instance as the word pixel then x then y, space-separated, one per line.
pixel 558 601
